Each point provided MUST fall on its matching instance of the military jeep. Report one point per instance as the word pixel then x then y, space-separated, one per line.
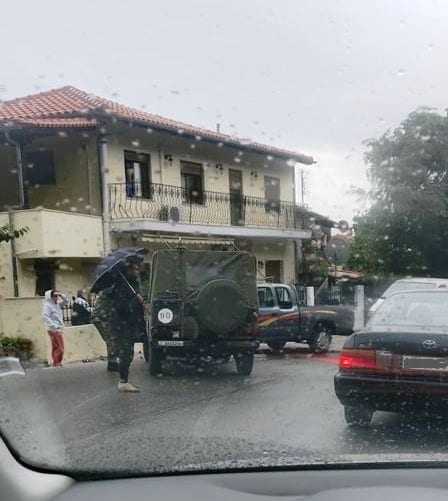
pixel 203 308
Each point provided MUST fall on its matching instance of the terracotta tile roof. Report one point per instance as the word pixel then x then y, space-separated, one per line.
pixel 69 107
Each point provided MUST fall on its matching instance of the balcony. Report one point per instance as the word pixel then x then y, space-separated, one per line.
pixel 161 207
pixel 57 234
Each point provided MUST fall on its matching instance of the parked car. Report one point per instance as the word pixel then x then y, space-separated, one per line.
pixel 399 361
pixel 281 319
pixel 404 284
pixel 203 307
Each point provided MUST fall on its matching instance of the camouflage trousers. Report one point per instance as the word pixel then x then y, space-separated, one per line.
pixel 106 332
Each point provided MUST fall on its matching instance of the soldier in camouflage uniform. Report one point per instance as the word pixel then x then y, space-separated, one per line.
pixel 103 319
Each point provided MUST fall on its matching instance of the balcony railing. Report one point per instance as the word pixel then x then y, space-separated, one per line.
pixel 173 204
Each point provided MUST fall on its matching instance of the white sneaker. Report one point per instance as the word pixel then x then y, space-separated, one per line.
pixel 127 387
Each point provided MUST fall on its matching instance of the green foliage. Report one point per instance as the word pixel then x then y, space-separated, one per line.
pixel 16 346
pixel 405 231
pixel 7 235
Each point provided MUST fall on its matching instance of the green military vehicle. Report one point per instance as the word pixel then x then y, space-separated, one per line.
pixel 203 307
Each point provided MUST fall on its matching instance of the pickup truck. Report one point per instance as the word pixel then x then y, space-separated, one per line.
pixel 281 319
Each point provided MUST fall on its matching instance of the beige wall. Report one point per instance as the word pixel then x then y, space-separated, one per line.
pixel 77 175
pixel 55 234
pixel 158 145
pixel 76 165
pixel 73 240
pixel 77 185
pixel 281 250
pixel 72 275
pixel 23 317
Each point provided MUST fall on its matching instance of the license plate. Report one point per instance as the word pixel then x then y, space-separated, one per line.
pixel 170 343
pixel 425 363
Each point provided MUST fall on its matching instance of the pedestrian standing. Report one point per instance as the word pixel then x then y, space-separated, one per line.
pixel 129 324
pixel 82 312
pixel 54 323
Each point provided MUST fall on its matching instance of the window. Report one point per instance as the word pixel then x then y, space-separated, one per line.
pixel 283 297
pixel 192 182
pixel 272 193
pixel 273 270
pixel 265 297
pixel 45 276
pixel 39 168
pixel 138 175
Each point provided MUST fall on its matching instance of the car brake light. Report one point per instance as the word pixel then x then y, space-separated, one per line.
pixel 357 360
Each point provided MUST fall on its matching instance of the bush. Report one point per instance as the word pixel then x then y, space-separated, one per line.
pixel 16 347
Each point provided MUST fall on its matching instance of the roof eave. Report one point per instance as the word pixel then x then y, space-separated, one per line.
pixel 297 157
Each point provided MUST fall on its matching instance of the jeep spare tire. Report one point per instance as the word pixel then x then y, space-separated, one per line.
pixel 221 307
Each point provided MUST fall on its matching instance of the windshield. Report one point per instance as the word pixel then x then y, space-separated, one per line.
pixel 414 311
pixel 202 206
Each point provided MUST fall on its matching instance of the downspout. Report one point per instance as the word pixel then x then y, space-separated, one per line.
pixel 15 273
pixel 105 195
pixel 19 164
pixel 89 177
pixel 22 205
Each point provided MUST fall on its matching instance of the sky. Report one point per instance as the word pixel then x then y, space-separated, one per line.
pixel 316 76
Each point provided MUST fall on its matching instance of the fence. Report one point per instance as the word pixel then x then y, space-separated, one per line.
pixel 328 296
pixel 161 202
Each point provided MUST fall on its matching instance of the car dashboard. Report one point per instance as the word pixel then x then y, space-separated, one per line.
pixel 19 483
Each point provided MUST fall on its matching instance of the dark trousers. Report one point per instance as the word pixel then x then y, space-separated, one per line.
pixel 125 355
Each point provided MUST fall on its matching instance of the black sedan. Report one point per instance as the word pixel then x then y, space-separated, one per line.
pixel 399 362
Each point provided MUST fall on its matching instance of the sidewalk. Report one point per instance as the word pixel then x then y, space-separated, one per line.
pixel 337 343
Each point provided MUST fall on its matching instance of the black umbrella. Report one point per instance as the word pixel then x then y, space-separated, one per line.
pixel 109 270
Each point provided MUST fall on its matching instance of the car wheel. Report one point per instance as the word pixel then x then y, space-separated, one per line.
pixel 244 363
pixel 276 345
pixel 321 339
pixel 155 360
pixel 358 416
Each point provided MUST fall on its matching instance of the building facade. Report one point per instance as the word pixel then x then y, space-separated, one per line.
pixel 86 175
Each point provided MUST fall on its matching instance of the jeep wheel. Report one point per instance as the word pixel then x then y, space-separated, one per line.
pixel 244 363
pixel 321 338
pixel 155 360
pixel 276 345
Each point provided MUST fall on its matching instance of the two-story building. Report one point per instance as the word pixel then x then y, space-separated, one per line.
pixel 86 175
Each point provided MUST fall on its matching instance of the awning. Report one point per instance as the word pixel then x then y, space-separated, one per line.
pixel 173 241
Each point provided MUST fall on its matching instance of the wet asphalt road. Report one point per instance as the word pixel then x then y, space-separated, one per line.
pixel 286 411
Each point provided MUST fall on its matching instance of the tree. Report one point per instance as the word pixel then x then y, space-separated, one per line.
pixel 405 231
pixel 6 234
